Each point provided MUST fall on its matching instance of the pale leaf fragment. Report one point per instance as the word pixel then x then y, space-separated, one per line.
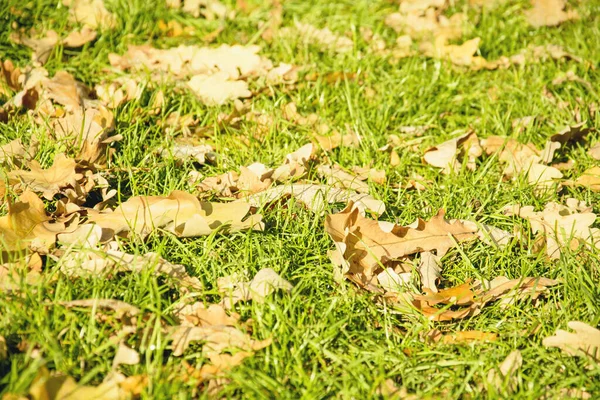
pixel 265 282
pixel 549 13
pixel 584 341
pixel 125 355
pixel 91 13
pixel 430 270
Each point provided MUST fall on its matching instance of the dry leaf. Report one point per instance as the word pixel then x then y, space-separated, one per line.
pixel 3 348
pixel 185 151
pixel 590 178
pixel 180 213
pixel 391 281
pixel 55 386
pixel 569 134
pixel 314 197
pixel 585 341
pixel 364 245
pixel 80 37
pixel 42 47
pixel 49 181
pixel 13 153
pixel 468 337
pixel 430 270
pixel 216 338
pixel 26 226
pixel 549 13
pixel 335 176
pixel 594 151
pixel 323 37
pixel 121 308
pixel 265 282
pixel 473 297
pixel 125 355
pixel 217 89
pixel 447 155
pixel 90 13
pixel 563 226
pixel 425 20
pixel 84 263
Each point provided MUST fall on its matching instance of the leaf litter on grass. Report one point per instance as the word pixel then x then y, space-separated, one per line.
pixel 86 240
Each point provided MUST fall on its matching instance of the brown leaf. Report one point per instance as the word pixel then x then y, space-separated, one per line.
pixel 125 355
pixel 563 226
pixel 590 178
pixel 594 151
pixel 265 282
pixel 585 341
pixel 216 338
pixel 475 297
pixel 447 155
pixel 49 181
pixel 324 38
pixel 549 13
pixel 26 226
pixel 315 196
pixel 82 263
pixel 364 245
pixel 335 176
pixel 54 386
pixel 80 37
pixel 468 337
pixel 430 270
pixel 569 134
pixel 42 46
pixel 184 150
pixel 90 13
pixel 180 213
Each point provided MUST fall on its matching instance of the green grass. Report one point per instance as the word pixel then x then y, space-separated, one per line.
pixel 328 341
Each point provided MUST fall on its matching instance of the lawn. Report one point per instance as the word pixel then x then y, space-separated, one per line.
pixel 383 112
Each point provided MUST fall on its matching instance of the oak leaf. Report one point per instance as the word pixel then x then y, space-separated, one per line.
pixel 585 341
pixel 364 245
pixel 447 155
pixel 590 178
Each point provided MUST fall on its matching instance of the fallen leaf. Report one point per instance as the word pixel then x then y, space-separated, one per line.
pixel 569 134
pixel 90 13
pixel 80 37
pixel 594 151
pixel 55 386
pixel 430 270
pixel 49 181
pixel 364 245
pixel 42 46
pixel 549 13
pixel 325 38
pixel 585 341
pixel 216 339
pixel 186 151
pixel 265 282
pixel 335 176
pixel 125 355
pixel 563 226
pixel 180 213
pixel 217 89
pixel 468 337
pixel 590 179
pixel 13 153
pixel 426 20
pixel 121 308
pixel 473 297
pixel 85 263
pixel 27 226
pixel 447 155
pixel 3 348
pixel 315 196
